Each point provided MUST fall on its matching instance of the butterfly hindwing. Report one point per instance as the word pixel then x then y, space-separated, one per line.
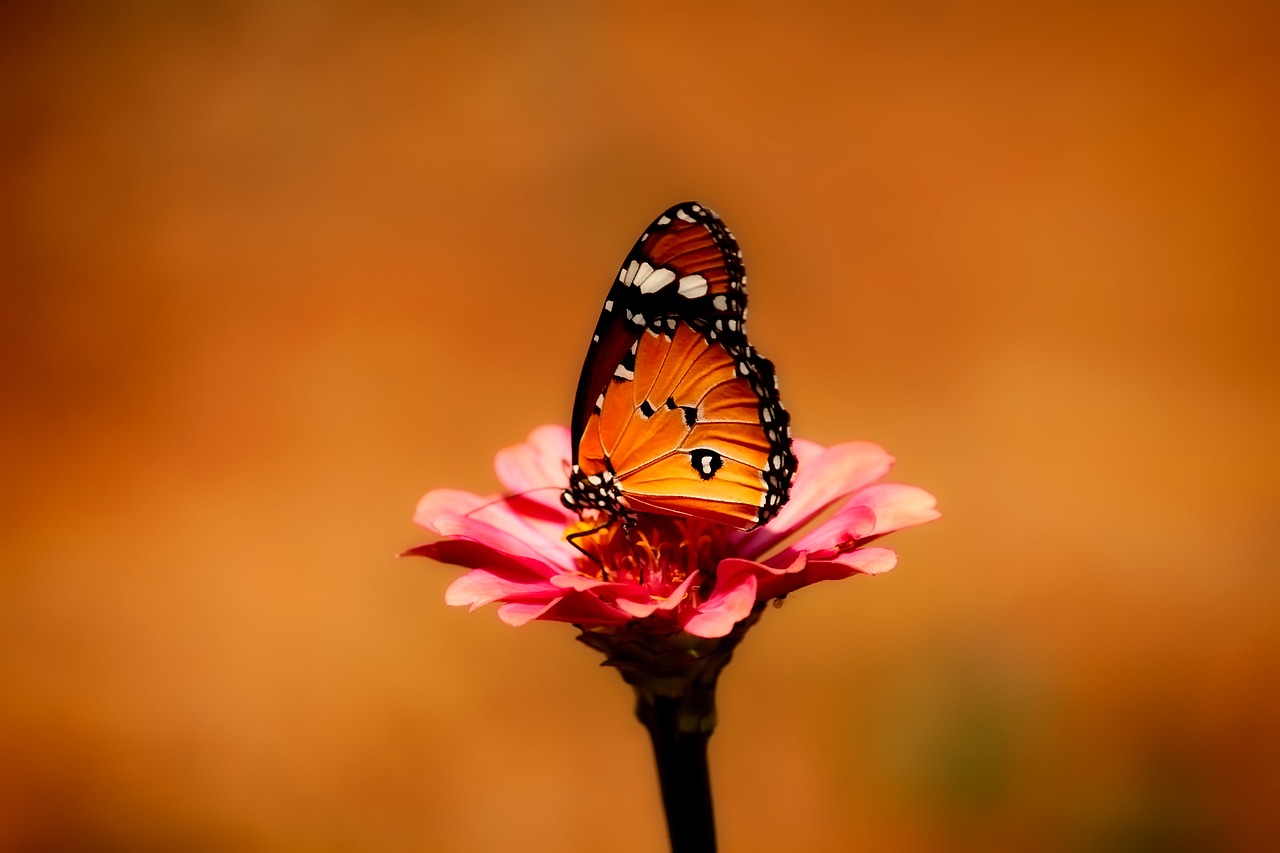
pixel 676 413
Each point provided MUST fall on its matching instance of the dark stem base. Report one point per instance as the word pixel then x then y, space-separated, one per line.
pixel 680 748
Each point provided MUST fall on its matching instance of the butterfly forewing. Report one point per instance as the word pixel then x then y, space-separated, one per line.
pixel 675 412
pixel 685 265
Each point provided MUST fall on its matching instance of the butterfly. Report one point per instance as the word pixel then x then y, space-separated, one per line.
pixel 676 413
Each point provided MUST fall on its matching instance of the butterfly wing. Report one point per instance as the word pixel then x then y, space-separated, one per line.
pixel 676 413
pixel 686 264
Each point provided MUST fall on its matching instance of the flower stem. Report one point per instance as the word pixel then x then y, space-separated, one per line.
pixel 680 727
pixel 674 675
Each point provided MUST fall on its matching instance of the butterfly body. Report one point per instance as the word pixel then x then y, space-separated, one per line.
pixel 676 413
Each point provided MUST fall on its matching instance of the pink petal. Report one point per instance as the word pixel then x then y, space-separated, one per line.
pixel 637 609
pixel 532 523
pixel 519 613
pixel 868 561
pixel 801 570
pixel 479 587
pixel 821 479
pixel 512 539
pixel 848 524
pixel 633 599
pixel 838 471
pixel 538 468
pixel 806 451
pixel 641 610
pixel 780 572
pixel 732 601
pixel 897 506
pixel 786 562
pixel 613 589
pixel 554 442
pixel 677 595
pixel 445 501
pixel 864 561
pixel 580 608
pixel 475 555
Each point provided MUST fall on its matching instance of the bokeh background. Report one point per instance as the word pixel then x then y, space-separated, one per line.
pixel 272 270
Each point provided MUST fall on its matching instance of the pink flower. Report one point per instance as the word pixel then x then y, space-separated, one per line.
pixel 667 574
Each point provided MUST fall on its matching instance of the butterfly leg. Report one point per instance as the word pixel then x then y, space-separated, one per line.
pixel 604 570
pixel 629 527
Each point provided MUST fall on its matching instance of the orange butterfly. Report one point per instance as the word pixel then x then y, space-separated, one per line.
pixel 676 413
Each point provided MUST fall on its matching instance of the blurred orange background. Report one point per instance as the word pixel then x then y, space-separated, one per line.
pixel 271 271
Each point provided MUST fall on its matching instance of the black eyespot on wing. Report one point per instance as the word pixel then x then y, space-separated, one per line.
pixel 690 415
pixel 647 409
pixel 705 462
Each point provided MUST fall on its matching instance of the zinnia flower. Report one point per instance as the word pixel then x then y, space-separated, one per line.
pixel 663 575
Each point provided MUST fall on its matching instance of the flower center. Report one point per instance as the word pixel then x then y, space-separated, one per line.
pixel 655 551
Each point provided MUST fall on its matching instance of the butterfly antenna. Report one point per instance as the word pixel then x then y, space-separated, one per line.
pixel 503 498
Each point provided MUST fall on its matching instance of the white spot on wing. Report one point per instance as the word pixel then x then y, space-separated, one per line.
pixel 663 220
pixel 721 303
pixel 680 214
pixel 693 286
pixel 608 305
pixel 657 280
pixel 632 268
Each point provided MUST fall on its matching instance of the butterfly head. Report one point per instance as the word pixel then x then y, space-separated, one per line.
pixel 597 492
